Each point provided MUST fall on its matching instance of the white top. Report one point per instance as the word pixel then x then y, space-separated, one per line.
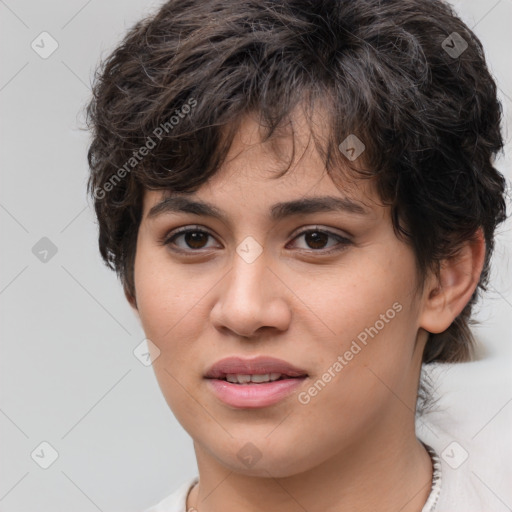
pixel 468 437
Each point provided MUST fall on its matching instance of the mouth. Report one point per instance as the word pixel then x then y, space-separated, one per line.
pixel 257 370
pixel 246 379
pixel 251 383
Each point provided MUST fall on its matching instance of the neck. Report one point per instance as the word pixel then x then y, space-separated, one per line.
pixel 386 470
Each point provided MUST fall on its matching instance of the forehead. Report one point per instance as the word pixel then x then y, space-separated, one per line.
pixel 251 178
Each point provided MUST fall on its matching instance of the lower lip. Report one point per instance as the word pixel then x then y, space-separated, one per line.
pixel 253 395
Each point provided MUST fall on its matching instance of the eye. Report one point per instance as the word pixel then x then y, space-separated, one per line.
pixel 196 239
pixel 317 239
pixel 193 238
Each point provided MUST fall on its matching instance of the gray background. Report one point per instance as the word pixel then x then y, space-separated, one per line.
pixel 68 373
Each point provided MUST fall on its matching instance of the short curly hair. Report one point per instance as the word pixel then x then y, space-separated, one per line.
pixel 407 77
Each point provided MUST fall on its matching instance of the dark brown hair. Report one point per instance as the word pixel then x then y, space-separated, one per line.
pixel 407 77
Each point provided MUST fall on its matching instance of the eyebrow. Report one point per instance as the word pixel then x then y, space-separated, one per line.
pixel 179 203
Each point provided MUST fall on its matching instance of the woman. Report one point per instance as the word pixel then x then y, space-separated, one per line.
pixel 300 200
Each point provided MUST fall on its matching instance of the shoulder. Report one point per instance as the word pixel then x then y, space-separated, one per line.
pixel 177 501
pixel 468 427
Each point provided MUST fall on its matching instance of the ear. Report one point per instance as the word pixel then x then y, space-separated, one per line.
pixel 445 297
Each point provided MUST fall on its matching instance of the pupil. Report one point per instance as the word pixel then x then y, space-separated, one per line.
pixel 195 236
pixel 314 236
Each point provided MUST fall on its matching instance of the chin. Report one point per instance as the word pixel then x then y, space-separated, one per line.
pixel 269 469
pixel 250 461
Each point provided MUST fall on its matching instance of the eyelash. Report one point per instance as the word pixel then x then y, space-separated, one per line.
pixel 171 237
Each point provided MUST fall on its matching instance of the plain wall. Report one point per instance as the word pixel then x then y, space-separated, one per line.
pixel 67 369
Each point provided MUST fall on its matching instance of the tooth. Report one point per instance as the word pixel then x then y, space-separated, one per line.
pixel 260 378
pixel 245 379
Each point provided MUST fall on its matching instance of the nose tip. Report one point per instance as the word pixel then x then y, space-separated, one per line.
pixel 250 299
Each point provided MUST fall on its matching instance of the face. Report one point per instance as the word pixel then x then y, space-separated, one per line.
pixel 329 291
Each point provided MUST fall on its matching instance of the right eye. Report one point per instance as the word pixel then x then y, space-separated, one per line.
pixel 194 239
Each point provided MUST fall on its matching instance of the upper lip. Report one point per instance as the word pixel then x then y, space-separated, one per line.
pixel 256 366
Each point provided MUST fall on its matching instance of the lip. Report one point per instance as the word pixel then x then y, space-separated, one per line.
pixel 253 395
pixel 254 366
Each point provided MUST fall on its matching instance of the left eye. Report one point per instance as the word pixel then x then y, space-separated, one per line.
pixel 315 238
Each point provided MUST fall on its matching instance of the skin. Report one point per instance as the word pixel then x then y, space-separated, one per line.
pixel 353 446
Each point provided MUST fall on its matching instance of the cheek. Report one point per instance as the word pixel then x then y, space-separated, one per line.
pixel 163 293
pixel 171 302
pixel 373 324
pixel 166 308
pixel 371 296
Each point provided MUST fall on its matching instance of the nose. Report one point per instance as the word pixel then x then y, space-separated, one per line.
pixel 251 298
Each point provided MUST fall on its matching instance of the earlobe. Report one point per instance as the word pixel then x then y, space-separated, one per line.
pixel 445 297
